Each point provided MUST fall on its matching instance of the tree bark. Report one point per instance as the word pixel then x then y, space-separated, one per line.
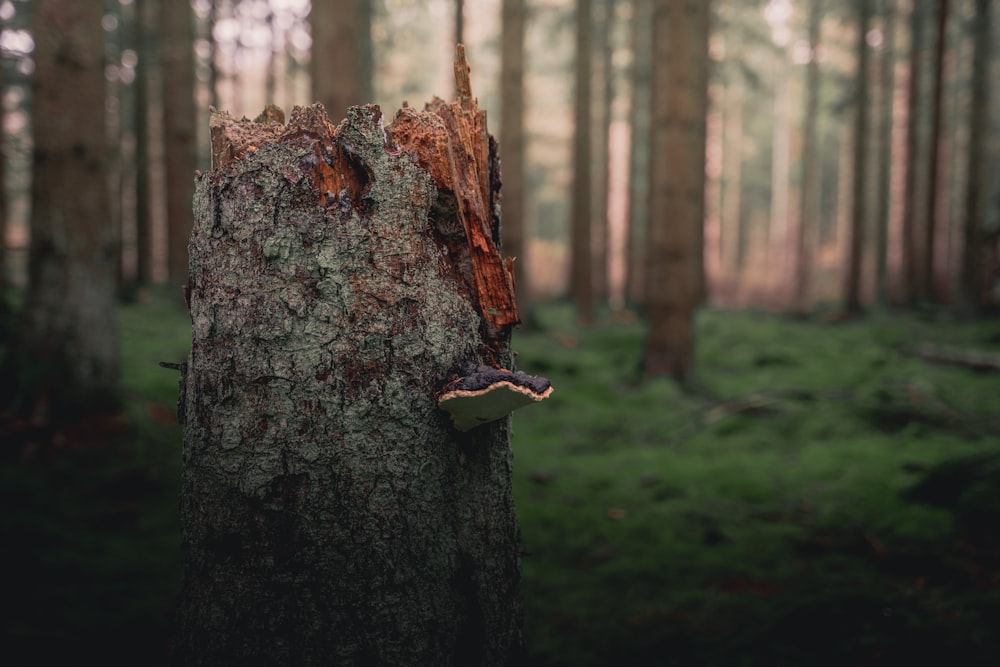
pixel 64 361
pixel 974 279
pixel 340 277
pixel 856 240
pixel 915 166
pixel 927 276
pixel 581 257
pixel 179 114
pixel 515 228
pixel 638 191
pixel 674 266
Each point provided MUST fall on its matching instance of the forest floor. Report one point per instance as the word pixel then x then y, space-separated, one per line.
pixel 827 495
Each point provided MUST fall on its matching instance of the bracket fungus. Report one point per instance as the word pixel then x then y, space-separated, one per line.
pixel 483 394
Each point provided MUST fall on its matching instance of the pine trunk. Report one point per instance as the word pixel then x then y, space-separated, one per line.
pixel 674 266
pixel 179 113
pixel 340 67
pixel 581 254
pixel 64 361
pixel 339 279
pixel 856 238
pixel 515 228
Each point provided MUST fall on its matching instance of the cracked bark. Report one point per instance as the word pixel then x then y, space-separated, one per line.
pixel 338 278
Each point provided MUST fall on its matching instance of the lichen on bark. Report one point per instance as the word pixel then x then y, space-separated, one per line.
pixel 332 514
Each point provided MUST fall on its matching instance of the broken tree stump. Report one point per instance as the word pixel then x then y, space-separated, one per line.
pixel 340 279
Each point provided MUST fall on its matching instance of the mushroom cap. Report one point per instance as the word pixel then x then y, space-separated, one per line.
pixel 485 394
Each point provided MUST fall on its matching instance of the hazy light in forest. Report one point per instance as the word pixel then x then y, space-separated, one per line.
pixel 17 42
pixel 7 11
pixel 777 13
pixel 109 22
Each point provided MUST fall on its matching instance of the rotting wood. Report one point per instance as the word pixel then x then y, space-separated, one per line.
pixel 461 156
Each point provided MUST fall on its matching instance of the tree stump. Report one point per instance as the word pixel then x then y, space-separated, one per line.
pixel 340 279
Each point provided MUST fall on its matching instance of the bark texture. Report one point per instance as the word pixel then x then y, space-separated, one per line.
pixel 65 358
pixel 340 277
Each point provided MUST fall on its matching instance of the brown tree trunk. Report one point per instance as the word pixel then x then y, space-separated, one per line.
pixel 856 239
pixel 340 278
pixel 340 67
pixel 674 263
pixel 515 228
pixel 179 114
pixel 807 226
pixel 927 291
pixel 638 191
pixel 65 357
pixel 145 10
pixel 915 166
pixel 581 257
pixel 887 87
pixel 974 280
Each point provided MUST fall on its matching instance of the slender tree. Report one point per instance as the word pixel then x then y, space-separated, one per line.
pixel 340 68
pixel 145 11
pixel 515 227
pixel 674 263
pixel 638 190
pixel 926 285
pixel 974 284
pixel 856 239
pixel 914 165
pixel 65 357
pixel 887 87
pixel 581 258
pixel 806 228
pixel 179 116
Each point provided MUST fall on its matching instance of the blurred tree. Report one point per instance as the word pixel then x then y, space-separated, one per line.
pixel 600 173
pixel 927 278
pixel 459 21
pixel 975 282
pixel 915 165
pixel 146 14
pixel 3 205
pixel 856 239
pixel 887 60
pixel 581 257
pixel 674 263
pixel 179 115
pixel 64 360
pixel 638 188
pixel 806 228
pixel 514 228
pixel 340 68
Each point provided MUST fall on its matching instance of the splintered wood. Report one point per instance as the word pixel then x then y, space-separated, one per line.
pixel 461 156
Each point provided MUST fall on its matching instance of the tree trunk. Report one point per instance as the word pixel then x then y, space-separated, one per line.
pixel 638 190
pixel 515 228
pixel 975 282
pixel 927 291
pixel 885 114
pixel 856 239
pixel 581 258
pixel 915 166
pixel 65 359
pixel 674 266
pixel 339 279
pixel 340 67
pixel 179 113
pixel 807 227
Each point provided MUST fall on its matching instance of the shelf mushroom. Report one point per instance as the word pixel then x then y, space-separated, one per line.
pixel 483 394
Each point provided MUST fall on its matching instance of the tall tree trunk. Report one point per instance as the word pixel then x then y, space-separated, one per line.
pixel 332 513
pixel 806 230
pixel 3 207
pixel 179 114
pixel 974 281
pixel 601 154
pixel 459 21
pixel 638 191
pixel 144 13
pixel 927 291
pixel 915 166
pixel 340 67
pixel 581 257
pixel 674 264
pixel 515 223
pixel 732 168
pixel 888 87
pixel 856 239
pixel 65 357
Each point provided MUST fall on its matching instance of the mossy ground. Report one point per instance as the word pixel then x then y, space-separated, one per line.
pixel 761 519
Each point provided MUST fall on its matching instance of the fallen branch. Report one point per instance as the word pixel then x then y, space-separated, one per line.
pixel 974 359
